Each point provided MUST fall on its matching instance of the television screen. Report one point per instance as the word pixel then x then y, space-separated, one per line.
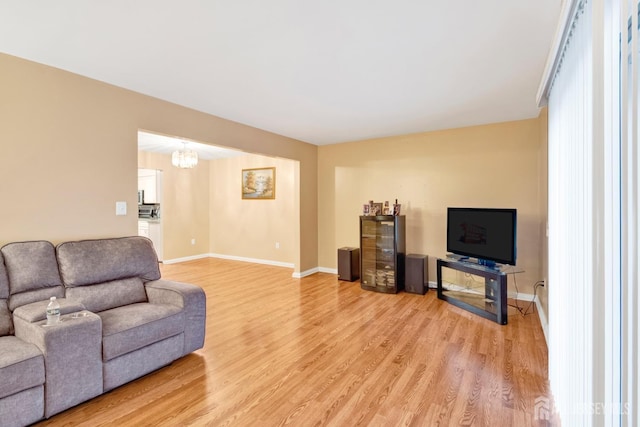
pixel 485 234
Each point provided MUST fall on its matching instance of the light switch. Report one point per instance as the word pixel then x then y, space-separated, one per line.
pixel 121 208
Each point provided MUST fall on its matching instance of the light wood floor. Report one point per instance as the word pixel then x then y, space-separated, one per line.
pixel 318 351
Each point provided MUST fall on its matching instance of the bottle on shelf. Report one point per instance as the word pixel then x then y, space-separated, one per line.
pixel 396 208
pixel 53 311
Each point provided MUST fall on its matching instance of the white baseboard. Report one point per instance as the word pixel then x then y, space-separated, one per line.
pixel 544 322
pixel 187 258
pixel 257 261
pixel 253 260
pixel 231 257
pixel 306 273
pixel 520 296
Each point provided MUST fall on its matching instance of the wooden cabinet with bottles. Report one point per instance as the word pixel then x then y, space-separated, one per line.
pixel 382 252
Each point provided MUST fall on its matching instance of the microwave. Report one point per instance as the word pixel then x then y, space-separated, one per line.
pixel 149 211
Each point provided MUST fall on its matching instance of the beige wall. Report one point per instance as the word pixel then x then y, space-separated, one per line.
pixel 251 228
pixel 69 152
pixel 66 157
pixel 482 166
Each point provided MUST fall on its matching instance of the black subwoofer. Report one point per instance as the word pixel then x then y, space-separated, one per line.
pixel 416 270
pixel 349 264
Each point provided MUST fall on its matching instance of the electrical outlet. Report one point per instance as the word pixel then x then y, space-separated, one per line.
pixel 277 245
pixel 193 241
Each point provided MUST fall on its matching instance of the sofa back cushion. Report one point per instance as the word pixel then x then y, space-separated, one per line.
pixel 4 280
pixel 32 271
pixel 90 262
pixel 108 273
pixel 107 295
pixel 6 325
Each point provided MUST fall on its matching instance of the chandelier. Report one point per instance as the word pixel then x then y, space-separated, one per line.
pixel 185 159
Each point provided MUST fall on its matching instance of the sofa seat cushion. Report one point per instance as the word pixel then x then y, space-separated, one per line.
pixel 131 327
pixel 21 366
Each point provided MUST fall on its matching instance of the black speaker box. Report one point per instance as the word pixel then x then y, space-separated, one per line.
pixel 349 264
pixel 416 274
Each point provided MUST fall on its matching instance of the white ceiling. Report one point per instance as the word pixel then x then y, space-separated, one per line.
pixel 324 71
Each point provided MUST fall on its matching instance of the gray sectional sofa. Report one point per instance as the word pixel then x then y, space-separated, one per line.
pixel 119 321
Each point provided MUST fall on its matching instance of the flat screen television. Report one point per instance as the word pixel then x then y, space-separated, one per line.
pixel 483 233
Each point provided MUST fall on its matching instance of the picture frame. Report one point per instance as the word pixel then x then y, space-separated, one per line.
pixel 377 209
pixel 258 183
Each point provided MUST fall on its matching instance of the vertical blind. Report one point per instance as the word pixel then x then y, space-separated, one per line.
pixel 594 188
pixel 630 195
pixel 571 222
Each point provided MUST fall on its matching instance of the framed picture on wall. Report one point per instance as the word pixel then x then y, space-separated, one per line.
pixel 259 183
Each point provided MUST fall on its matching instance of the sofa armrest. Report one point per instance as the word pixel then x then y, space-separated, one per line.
pixel 191 299
pixel 37 311
pixel 72 350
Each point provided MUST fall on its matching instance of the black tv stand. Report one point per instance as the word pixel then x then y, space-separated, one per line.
pixel 490 304
pixel 474 261
pixel 488 264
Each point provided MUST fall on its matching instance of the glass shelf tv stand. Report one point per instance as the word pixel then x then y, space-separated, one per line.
pixel 475 288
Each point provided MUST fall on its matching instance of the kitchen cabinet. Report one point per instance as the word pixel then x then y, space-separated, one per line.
pixel 150 181
pixel 152 229
pixel 155 234
pixel 143 229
